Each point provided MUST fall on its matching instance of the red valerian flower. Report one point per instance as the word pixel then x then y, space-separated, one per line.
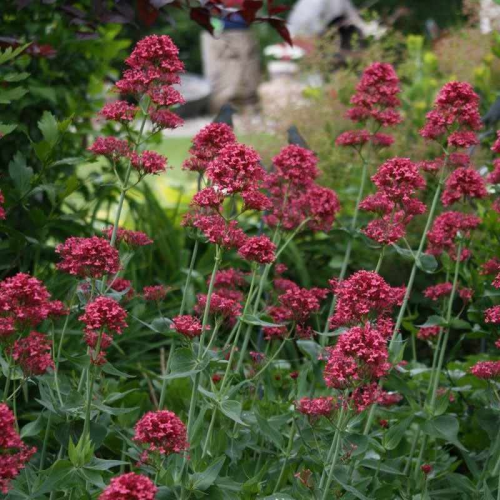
pixel 257 357
pixel 2 210
pixel 165 95
pixel 494 176
pixel 258 249
pixel 385 231
pixel 381 140
pixel 104 312
pixel 236 168
pixel 353 138
pixel 464 139
pixel 428 332
pixel 88 257
pixel 155 292
pixel 187 325
pixel 492 315
pixel 163 431
pixel 148 162
pixel 463 183
pixel 486 370
pixel 206 145
pixel 363 293
pixel 296 165
pixel 163 119
pixel 496 144
pixel 130 486
pixel 301 303
pixel 322 207
pixel 112 148
pixel 364 396
pixel 208 198
pixel 255 200
pixel 435 292
pixel 229 278
pixel 119 111
pixel 492 266
pixel 33 353
pixel 387 399
pixel 225 234
pixel 220 305
pixel 426 469
pixel 131 238
pixel 316 407
pixel 14 454
pixel 122 285
pixel 445 230
pixel 25 302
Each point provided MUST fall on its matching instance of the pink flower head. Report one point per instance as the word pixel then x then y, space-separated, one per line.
pixel 119 111
pixel 257 357
pixel 131 238
pixel 112 148
pixel 387 399
pixel 353 138
pixel 362 294
pixel 208 198
pixel 162 431
pixel 296 164
pixel 229 278
pixel 398 179
pixel 466 294
pixel 122 285
pixel 365 396
pixel 258 249
pixel 33 353
pixel 24 302
pixel 381 140
pixel 130 486
pixel 446 229
pixel 104 312
pixel 426 469
pixel 2 210
pixel 253 199
pixel 322 207
pixel 14 454
pixel 492 266
pixel 486 370
pixel 437 291
pixel 149 162
pixel 463 183
pixel 187 325
pixel 428 332
pixel 155 292
pixel 220 305
pixel 496 144
pixel 165 95
pixel 464 139
pixel 88 257
pixel 494 176
pixel 492 315
pixel 317 407
pixel 301 303
pixel 385 231
pixel 225 234
pixel 163 119
pixel 236 168
pixel 207 144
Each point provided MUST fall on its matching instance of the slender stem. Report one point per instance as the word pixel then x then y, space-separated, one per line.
pixel 348 250
pixel 420 457
pixel 287 457
pixel 369 420
pixel 188 277
pixel 209 433
pixel 380 259
pixel 7 381
pixel 45 441
pixel 418 254
pixel 212 338
pixel 412 451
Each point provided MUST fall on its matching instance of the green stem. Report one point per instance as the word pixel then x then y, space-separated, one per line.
pixel 7 382
pixel 348 250
pixel 420 250
pixel 209 433
pixel 287 457
pixel 45 442
pixel 188 277
pixel 380 259
pixel 412 451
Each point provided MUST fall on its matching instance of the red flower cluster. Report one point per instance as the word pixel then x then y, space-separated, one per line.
pixel 187 325
pixel 102 313
pixel 122 285
pixel 215 228
pixel 131 238
pixel 492 266
pixel 463 183
pixel 428 332
pixel 397 181
pixel 25 302
pixel 154 293
pixel 376 96
pixel 435 292
pixel 119 111
pixel 445 230
pixel 492 315
pixel 130 486
pixel 486 370
pixel 229 279
pixel 33 353
pixel 317 407
pixel 294 194
pixel 363 294
pixel 14 454
pixel 258 249
pixel 88 257
pixel 162 431
pixel 207 144
pixel 148 162
pixel 455 113
pixel 2 210
pixel 222 304
pixel 110 147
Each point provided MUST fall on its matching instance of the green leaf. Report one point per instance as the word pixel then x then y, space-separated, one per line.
pixel 232 409
pixel 33 428
pixel 445 427
pixel 184 364
pixel 55 478
pixel 20 173
pixel 203 480
pixel 278 496
pixel 74 160
pixel 6 129
pixel 11 53
pixel 15 77
pixel 14 94
pixel 269 431
pixel 42 150
pixel 111 370
pixel 100 464
pixel 377 465
pixel 460 324
pixel 351 489
pixel 427 263
pixel 252 319
pixel 433 320
pixel 49 128
pixel 394 435
pixel 310 348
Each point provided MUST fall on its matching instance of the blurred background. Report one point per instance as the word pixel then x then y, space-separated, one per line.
pixel 76 54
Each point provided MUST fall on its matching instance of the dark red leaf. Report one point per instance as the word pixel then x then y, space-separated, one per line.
pixel 250 9
pixel 147 13
pixel 201 16
pixel 280 26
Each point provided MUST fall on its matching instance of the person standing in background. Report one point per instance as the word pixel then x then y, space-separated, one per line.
pixel 231 61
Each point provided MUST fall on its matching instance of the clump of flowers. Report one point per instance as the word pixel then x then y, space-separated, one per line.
pixel 131 238
pixel 428 332
pixel 2 209
pixel 445 230
pixel 316 407
pixel 88 257
pixel 130 486
pixel 258 249
pixel 154 293
pixel 124 286
pixel 161 431
pixel 463 184
pixel 14 454
pixel 187 325
pixel 486 370
pixel 25 302
pixel 33 353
